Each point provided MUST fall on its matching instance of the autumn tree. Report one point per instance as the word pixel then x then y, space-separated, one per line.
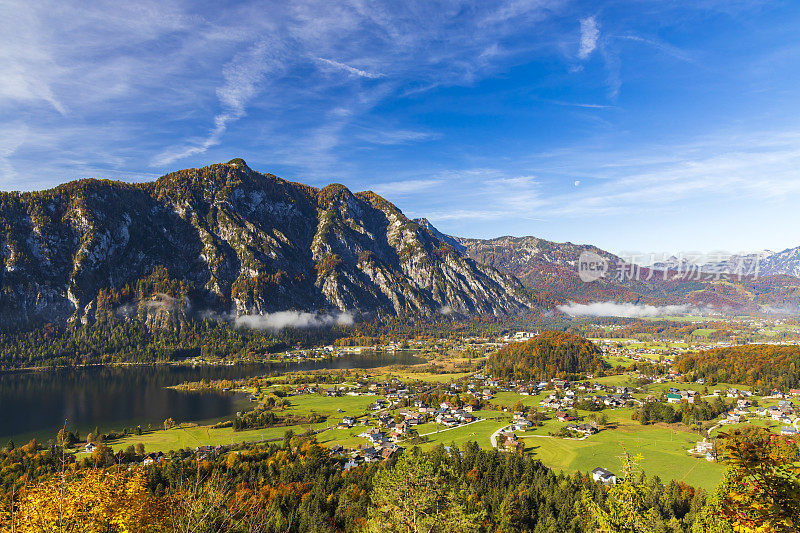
pixel 87 501
pixel 761 490
pixel 626 509
pixel 414 496
pixel 208 503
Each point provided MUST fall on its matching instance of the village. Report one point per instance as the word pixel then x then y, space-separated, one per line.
pixel 372 415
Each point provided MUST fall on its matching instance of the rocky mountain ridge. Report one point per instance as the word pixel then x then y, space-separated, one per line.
pixel 765 262
pixel 551 269
pixel 225 240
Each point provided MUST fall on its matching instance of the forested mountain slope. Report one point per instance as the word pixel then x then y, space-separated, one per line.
pixel 228 240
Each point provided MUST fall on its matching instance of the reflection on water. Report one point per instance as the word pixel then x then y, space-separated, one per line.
pixel 36 404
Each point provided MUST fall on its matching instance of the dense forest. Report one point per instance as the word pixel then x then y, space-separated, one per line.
pixel 762 366
pixel 549 355
pixel 631 328
pixel 131 341
pixel 687 413
pixel 299 486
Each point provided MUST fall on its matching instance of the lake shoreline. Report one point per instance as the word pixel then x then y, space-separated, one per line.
pixel 193 363
pixel 113 396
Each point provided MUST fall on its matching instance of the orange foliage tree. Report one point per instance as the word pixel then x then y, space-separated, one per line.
pixel 87 501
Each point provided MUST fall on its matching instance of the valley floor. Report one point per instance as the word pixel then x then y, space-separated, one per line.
pixel 663 447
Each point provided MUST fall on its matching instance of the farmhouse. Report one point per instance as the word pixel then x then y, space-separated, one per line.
pixel 604 476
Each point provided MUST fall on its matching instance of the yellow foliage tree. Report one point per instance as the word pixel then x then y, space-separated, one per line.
pixel 87 501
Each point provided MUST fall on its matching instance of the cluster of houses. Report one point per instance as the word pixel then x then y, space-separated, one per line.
pixel 639 354
pixel 613 397
pixel 704 448
pixel 451 416
pixel 392 392
pixel 783 412
pixel 366 454
pixel 584 429
pixel 520 423
pixel 201 452
pixel 678 396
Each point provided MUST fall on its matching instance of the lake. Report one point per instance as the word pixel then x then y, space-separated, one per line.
pixel 36 404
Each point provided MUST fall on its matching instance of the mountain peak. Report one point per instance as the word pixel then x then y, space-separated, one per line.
pixel 233 241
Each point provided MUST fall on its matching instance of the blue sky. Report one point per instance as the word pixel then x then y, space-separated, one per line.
pixel 636 126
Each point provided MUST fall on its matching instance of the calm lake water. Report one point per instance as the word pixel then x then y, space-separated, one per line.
pixel 36 404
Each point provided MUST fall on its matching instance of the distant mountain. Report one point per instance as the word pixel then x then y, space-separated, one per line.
pixel 447 239
pixel 763 263
pixel 768 263
pixel 748 264
pixel 549 266
pixel 551 269
pixel 786 263
pixel 227 240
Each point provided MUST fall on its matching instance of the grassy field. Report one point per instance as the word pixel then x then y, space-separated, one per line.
pixel 616 360
pixel 663 448
pixel 616 380
pixel 478 432
pixel 663 453
pixel 659 387
pixel 767 423
pixel 426 376
pixel 511 398
pixel 192 437
pixel 304 404
pixel 683 318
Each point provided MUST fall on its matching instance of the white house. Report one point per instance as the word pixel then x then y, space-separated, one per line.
pixel 604 476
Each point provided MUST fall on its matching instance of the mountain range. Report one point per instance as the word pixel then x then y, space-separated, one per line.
pixel 227 242
pixel 765 262
pixel 550 269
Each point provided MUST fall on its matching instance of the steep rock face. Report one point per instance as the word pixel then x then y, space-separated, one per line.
pixel 239 242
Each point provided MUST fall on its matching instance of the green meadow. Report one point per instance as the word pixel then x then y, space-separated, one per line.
pixel 663 448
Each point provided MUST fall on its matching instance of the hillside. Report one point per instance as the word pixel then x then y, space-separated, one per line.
pixel 762 366
pixel 226 240
pixel 551 354
pixel 550 269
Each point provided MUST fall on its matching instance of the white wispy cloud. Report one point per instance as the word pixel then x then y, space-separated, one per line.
pixel 389 137
pixel 577 104
pixel 758 164
pixel 107 88
pixel 662 46
pixel 481 194
pixel 351 70
pixel 652 181
pixel 292 319
pixel 10 141
pixel 590 33
pixel 627 310
pixel 405 187
pixel 242 76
